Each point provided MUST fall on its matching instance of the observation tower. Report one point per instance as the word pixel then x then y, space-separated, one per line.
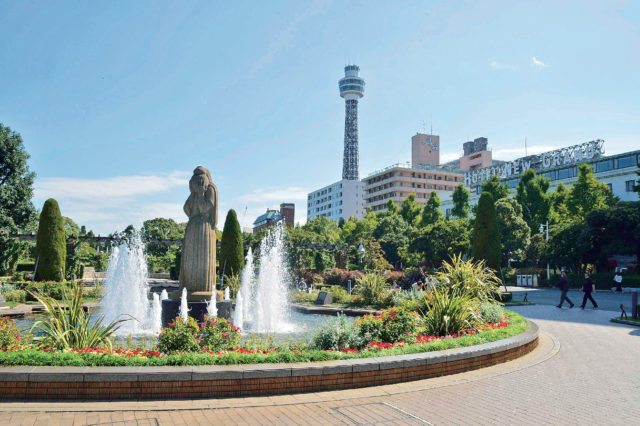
pixel 351 89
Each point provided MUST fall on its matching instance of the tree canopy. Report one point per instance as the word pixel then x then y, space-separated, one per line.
pixel 460 199
pixel 587 194
pixel 431 212
pixel 494 187
pixel 515 234
pixel 532 196
pixel 16 183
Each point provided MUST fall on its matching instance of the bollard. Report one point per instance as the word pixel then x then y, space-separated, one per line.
pixel 349 286
pixel 634 305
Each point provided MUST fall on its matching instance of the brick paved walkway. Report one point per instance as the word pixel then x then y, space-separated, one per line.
pixel 585 371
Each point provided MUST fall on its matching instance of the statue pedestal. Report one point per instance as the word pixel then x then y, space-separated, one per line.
pixel 197 310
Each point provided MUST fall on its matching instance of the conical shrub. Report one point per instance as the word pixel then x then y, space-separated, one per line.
pixel 231 249
pixel 51 247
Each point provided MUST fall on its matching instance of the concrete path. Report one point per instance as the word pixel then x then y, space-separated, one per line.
pixel 606 300
pixel 585 371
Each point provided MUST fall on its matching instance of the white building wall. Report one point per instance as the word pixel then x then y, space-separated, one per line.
pixel 338 200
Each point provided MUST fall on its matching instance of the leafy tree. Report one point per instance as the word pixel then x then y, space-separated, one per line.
pixel 324 260
pixel 51 248
pixel 71 229
pixel 587 194
pixel 16 183
pixel 374 256
pixel 559 204
pixel 392 232
pixel 440 241
pixel 615 230
pixel 569 245
pixel 496 188
pixel 431 212
pixel 532 196
pixel 460 199
pixel 16 190
pixel 231 249
pixel 515 234
pixel 353 231
pixel 161 229
pixel 325 229
pixel 392 208
pixel 486 235
pixel 410 209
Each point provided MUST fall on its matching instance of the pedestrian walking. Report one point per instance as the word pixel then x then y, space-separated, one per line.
pixel 563 285
pixel 617 281
pixel 588 287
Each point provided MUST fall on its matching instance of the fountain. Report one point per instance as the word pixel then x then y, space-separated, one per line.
pixel 126 293
pixel 226 294
pixel 212 308
pixel 164 295
pixel 238 312
pixel 184 308
pixel 267 297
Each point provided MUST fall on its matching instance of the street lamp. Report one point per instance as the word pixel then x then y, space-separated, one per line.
pixel 544 228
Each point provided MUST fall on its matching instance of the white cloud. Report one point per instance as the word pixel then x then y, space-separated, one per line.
pixel 538 63
pixel 117 186
pixel 502 66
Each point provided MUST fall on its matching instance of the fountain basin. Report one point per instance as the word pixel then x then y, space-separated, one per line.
pixel 197 310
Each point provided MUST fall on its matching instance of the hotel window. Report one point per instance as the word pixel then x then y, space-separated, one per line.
pixel 564 173
pixel 628 161
pixel 629 185
pixel 550 175
pixel 603 166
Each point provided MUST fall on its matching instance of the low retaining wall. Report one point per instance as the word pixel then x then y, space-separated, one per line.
pixel 108 383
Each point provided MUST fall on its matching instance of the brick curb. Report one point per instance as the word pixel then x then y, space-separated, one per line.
pixel 111 383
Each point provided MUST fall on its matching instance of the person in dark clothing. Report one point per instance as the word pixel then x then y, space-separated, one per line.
pixel 563 285
pixel 588 287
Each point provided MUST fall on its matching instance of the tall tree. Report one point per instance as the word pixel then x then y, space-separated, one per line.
pixel 231 249
pixel 441 240
pixel 51 247
pixel 460 202
pixel 160 229
pixel 16 183
pixel 486 236
pixel 392 208
pixel 587 194
pixel 559 204
pixel 392 231
pixel 496 188
pixel 532 196
pixel 431 212
pixel 515 234
pixel 410 210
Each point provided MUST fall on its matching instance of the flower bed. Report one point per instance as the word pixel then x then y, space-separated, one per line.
pixel 412 344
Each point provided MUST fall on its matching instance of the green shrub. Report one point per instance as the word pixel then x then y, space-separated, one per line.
pixel 470 278
pixel 51 247
pixel 337 333
pixel 304 297
pixel 449 313
pixel 341 277
pixel 179 336
pixel 70 327
pixel 413 300
pixel 233 282
pixel 231 250
pixel 217 334
pixel 94 292
pixel 491 312
pixel 389 325
pixel 55 290
pixel 372 289
pixel 10 337
pixel 18 296
pixel 18 276
pixel 340 294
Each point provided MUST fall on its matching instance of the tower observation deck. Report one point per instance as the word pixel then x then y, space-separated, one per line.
pixel 351 89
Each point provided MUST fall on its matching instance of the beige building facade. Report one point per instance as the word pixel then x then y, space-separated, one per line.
pixel 397 181
pixel 425 150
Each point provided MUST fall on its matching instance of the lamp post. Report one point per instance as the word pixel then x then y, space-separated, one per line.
pixel 543 229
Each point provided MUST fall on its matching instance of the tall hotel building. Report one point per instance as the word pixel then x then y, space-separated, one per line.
pixel 342 199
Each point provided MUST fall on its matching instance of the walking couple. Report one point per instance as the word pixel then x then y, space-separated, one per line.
pixel 588 287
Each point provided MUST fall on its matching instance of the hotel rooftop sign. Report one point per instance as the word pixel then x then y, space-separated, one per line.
pixel 548 160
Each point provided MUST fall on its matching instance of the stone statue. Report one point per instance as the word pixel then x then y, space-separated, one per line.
pixel 198 263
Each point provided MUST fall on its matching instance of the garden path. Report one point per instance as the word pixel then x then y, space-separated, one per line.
pixel 584 371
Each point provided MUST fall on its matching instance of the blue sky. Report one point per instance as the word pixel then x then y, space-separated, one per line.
pixel 119 101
